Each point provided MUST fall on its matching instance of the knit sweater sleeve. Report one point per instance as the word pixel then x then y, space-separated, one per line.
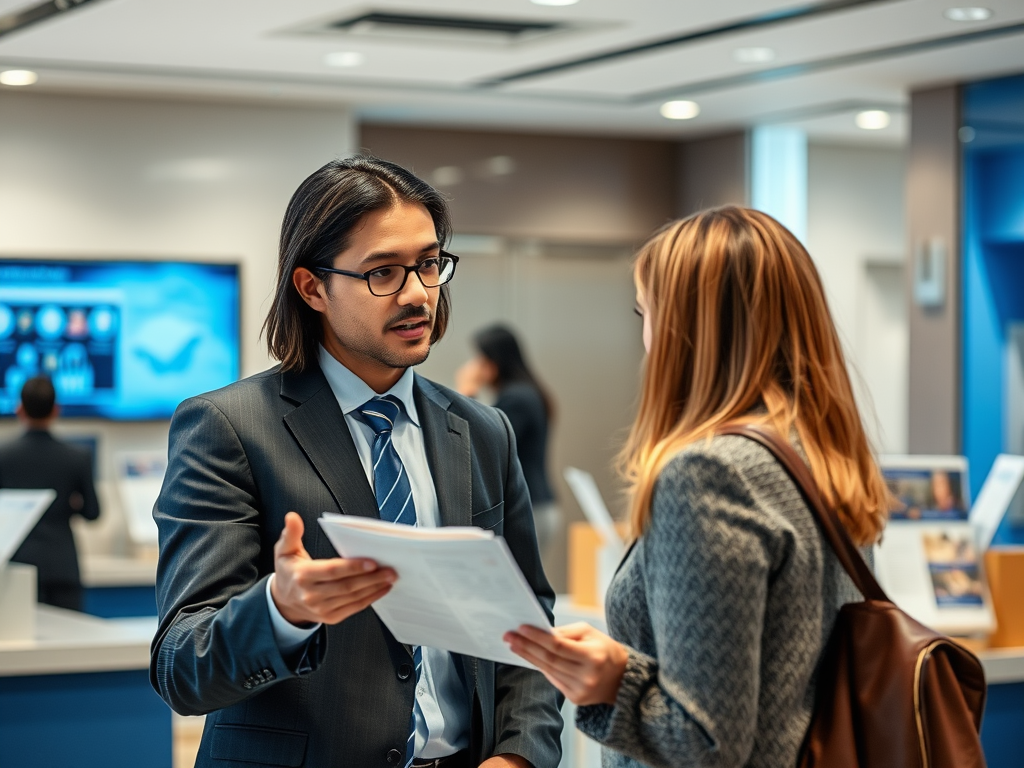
pixel 707 559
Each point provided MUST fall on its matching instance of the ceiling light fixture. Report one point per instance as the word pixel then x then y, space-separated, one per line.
pixel 18 77
pixel 968 14
pixel 554 2
pixel 680 110
pixel 753 55
pixel 344 59
pixel 873 119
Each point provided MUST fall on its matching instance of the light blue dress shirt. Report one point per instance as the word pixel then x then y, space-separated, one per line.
pixel 442 707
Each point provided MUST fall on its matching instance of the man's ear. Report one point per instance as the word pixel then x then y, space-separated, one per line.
pixel 311 288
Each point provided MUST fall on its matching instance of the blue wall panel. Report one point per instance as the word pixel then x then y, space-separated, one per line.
pixel 993 267
pixel 1002 729
pixel 91 720
pixel 119 602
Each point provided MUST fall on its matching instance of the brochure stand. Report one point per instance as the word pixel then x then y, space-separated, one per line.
pixel 929 561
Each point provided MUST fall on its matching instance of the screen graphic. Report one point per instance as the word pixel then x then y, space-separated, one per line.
pixel 120 340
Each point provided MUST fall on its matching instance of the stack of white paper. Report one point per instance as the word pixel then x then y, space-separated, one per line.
pixel 458 589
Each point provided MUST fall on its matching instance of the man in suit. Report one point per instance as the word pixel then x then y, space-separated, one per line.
pixel 262 626
pixel 38 460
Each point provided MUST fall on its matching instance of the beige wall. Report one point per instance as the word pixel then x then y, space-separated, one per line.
pixel 577 188
pixel 713 171
pixel 933 211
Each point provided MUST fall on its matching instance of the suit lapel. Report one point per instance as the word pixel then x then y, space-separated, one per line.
pixel 446 437
pixel 320 429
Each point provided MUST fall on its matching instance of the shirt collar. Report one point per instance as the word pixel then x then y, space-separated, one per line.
pixel 352 392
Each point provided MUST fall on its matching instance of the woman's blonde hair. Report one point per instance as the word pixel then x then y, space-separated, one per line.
pixel 742 333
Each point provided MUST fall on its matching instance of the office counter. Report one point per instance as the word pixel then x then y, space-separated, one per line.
pixel 78 695
pixel 117 587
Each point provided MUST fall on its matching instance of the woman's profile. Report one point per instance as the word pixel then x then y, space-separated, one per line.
pixel 720 610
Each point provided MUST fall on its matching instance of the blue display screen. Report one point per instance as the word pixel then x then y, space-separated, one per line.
pixel 120 340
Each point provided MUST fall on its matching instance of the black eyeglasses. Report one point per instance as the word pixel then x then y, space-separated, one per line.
pixel 389 279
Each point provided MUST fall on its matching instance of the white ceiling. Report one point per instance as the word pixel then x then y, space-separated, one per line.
pixel 828 66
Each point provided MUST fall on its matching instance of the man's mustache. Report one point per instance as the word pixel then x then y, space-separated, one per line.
pixel 407 314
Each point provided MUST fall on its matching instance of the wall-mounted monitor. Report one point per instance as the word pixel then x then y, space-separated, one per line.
pixel 120 339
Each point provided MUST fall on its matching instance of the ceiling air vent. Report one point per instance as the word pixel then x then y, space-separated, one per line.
pixel 438 28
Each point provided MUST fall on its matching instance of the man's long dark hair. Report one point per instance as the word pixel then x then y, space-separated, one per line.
pixel 318 223
pixel 499 345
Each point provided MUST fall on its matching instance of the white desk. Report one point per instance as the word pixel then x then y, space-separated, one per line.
pixel 107 571
pixel 72 642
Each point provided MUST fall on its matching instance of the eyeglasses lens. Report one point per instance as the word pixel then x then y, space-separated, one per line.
pixel 432 273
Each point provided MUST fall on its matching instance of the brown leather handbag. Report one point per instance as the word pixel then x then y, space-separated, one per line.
pixel 891 693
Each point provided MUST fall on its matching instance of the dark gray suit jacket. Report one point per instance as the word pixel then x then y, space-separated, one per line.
pixel 39 460
pixel 240 459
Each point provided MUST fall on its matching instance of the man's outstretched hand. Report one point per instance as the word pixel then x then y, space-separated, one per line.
pixel 308 591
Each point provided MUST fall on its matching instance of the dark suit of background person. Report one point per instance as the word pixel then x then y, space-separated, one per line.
pixel 39 460
pixel 244 456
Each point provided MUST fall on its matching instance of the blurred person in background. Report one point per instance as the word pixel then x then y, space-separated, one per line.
pixel 38 460
pixel 723 604
pixel 499 364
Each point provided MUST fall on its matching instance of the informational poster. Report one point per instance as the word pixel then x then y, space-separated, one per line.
pixel 140 475
pixel 928 561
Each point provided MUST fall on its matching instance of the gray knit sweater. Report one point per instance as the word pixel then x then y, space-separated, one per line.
pixel 725 603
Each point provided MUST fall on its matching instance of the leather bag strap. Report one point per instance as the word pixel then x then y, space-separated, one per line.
pixel 828 520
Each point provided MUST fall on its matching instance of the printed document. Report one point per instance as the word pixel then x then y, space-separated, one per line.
pixel 458 588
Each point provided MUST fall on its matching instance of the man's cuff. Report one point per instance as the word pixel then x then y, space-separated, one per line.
pixel 288 637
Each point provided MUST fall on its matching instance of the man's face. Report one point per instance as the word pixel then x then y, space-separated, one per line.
pixel 378 337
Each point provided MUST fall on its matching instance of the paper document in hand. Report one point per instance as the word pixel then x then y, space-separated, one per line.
pixel 458 589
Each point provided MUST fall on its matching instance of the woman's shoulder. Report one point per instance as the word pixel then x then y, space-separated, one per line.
pixel 723 457
pixel 734 470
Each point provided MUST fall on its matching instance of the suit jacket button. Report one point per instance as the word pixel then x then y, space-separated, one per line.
pixel 394 756
pixel 405 672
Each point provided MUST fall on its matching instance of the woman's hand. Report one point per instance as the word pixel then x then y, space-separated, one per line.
pixel 583 663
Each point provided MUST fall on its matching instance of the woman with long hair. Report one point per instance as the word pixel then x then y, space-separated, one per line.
pixel 721 608
pixel 499 364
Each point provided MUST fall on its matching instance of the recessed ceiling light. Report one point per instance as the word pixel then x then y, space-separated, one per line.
pixel 873 119
pixel 554 2
pixel 968 14
pixel 344 59
pixel 680 110
pixel 753 55
pixel 18 77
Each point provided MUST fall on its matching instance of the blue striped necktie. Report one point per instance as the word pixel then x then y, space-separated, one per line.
pixel 393 490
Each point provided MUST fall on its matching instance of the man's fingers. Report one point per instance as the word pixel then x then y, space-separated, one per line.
pixel 341 569
pixel 290 541
pixel 344 611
